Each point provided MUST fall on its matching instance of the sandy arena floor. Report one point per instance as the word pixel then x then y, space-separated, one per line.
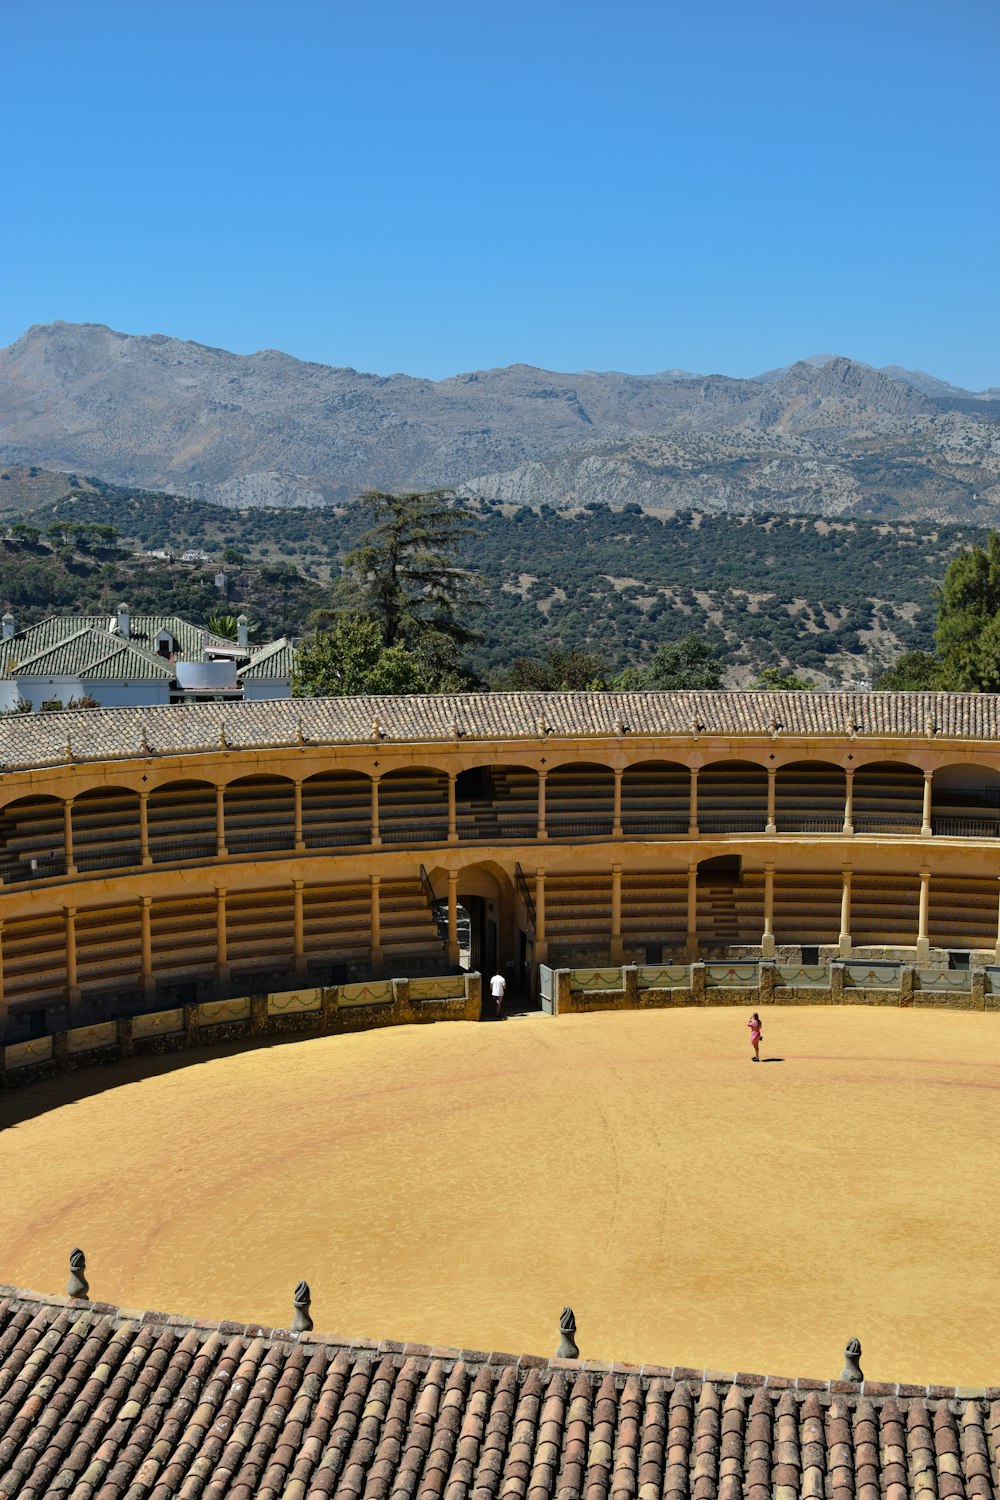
pixel 458 1184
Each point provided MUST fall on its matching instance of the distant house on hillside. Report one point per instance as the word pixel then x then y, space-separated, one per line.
pixel 135 660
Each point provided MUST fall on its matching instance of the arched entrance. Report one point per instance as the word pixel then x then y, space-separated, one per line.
pixel 493 929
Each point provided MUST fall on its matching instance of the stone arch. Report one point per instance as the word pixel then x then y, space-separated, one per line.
pixel 656 797
pixel 106 828
pixel 810 797
pixel 259 813
pixel 579 800
pixel 496 803
pixel 965 800
pixel 888 797
pixel 413 806
pixel 732 797
pixel 336 809
pixel 32 838
pixel 181 818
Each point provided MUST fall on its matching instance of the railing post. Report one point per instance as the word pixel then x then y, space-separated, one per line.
pixel 771 826
pixel 616 914
pixel 452 810
pixel 926 827
pixel 72 986
pixel 542 831
pixel 767 938
pixel 844 942
pixel 221 936
pixel 146 941
pixel 691 940
pixel 616 824
pixel 693 800
pixel 220 823
pixel 300 843
pixel 145 858
pixel 68 835
pixel 299 928
pixel 453 918
pixel 375 956
pixel 849 800
pixel 376 836
pixel 923 942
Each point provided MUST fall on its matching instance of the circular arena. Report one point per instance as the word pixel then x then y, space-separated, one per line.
pixel 245 912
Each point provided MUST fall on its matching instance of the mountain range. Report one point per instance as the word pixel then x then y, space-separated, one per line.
pixel 826 435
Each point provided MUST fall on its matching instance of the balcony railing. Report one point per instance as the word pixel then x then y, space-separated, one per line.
pixel 967 796
pixel 39 867
pixel 107 859
pixel 810 823
pixel 259 843
pixel 172 851
pixel 337 838
pixel 415 833
pixel 966 828
pixel 654 823
pixel 560 827
pixel 732 822
pixel 886 823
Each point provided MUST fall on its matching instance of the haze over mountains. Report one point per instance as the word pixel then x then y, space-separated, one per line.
pixel 824 436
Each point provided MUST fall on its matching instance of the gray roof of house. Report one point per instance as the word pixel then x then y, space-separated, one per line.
pixel 276 660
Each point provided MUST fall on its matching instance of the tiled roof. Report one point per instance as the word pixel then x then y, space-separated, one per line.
pixel 98 1403
pixel 497 717
pixel 275 660
pixel 143 630
pixel 93 654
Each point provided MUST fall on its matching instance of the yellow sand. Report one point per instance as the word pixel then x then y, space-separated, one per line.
pixel 458 1184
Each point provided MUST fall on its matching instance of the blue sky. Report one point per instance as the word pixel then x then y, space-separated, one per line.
pixel 719 185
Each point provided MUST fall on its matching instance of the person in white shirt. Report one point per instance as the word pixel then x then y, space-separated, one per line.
pixel 498 986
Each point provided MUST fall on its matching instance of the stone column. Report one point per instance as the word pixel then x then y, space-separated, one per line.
pixel 146 940
pixel 844 943
pixel 849 800
pixel 616 825
pixel 300 842
pixel 72 985
pixel 453 918
pixel 923 942
pixel 691 942
pixel 68 835
pixel 541 951
pixel 617 948
pixel 926 828
pixel 771 826
pixel 145 858
pixel 3 993
pixel 220 822
pixel 767 940
pixel 452 810
pixel 221 936
pixel 693 801
pixel 996 955
pixel 376 836
pixel 542 830
pixel 375 955
pixel 299 928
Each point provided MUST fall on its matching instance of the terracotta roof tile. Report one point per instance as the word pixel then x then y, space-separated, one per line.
pixel 96 1405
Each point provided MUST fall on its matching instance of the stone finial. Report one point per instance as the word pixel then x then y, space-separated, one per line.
pixel 376 729
pixel 541 728
pixel 930 729
pixel 302 1298
pixel 567 1336
pixel 223 742
pixel 143 741
pixel 454 730
pixel 774 729
pixel 852 1367
pixel 300 738
pixel 77 1285
pixel 69 748
pixel 852 727
pixel 696 728
pixel 618 726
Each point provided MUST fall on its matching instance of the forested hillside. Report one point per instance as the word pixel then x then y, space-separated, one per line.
pixel 834 599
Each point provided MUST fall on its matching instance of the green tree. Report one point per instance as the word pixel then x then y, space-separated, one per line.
pixel 561 671
pixel 403 573
pixel 773 680
pixel 231 555
pixel 968 620
pixel 682 666
pixel 913 672
pixel 351 659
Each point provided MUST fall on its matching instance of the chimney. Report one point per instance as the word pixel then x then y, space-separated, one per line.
pixel 121 614
pixel 8 627
pixel 243 632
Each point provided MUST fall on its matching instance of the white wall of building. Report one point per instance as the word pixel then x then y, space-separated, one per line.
pixel 258 689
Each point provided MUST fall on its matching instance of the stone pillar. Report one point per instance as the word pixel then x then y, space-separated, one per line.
pixel 299 928
pixel 220 822
pixel 907 974
pixel 977 999
pixel 849 800
pixel 376 836
pixel 68 835
pixel 630 984
pixel 126 1046
pixel 452 810
pixel 765 984
pixel 926 828
pixel 923 942
pixel 767 940
pixel 3 995
pixel 300 842
pixel 145 858
pixel 375 955
pixel 221 936
pixel 541 953
pixel 697 984
pixel 837 984
pixel 693 801
pixel 616 914
pixel 844 942
pixel 616 825
pixel 453 917
pixel 146 939
pixel 72 986
pixel 691 940
pixel 542 830
pixel 996 955
pixel 772 775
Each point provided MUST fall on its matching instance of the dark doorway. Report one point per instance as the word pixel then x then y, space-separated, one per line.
pixel 724 869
